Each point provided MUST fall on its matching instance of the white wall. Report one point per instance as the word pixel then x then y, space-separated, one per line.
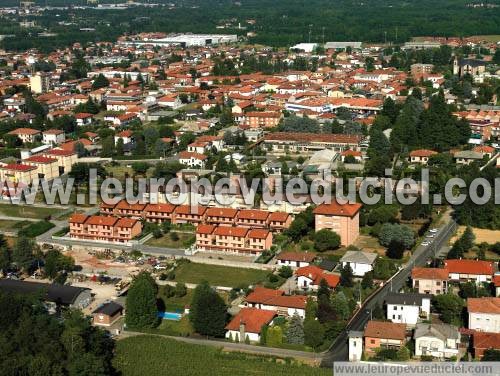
pixel 355 349
pixel 485 322
pixel 358 269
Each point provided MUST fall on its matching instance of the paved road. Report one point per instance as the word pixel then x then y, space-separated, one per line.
pixel 339 349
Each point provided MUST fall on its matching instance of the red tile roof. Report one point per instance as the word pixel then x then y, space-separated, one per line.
pixel 484 305
pixel 101 220
pixel 258 233
pixel 296 256
pixel 78 218
pixel 126 222
pixel 205 229
pixel 260 215
pixel 61 153
pixel 40 159
pixel 483 340
pixel 239 232
pixel 253 318
pixel 316 274
pixel 385 330
pixel 422 153
pixel 190 210
pixel 429 273
pixel 23 131
pixel 159 208
pixel 477 267
pixel 336 209
pixel 189 155
pixel 124 205
pixel 18 167
pixel 222 212
pixel 279 216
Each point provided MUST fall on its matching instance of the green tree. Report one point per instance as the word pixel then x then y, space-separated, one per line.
pixel 274 336
pixel 23 254
pixel 340 305
pixel 180 290
pixel 285 271
pixel 396 249
pixel 55 262
pixel 367 281
pixel 295 330
pixel 142 311
pixel 326 240
pixel 108 147
pixel 208 311
pixel 100 82
pixel 346 276
pixel 450 308
pixel 119 150
pixel 491 355
pixel 401 233
pixel 314 333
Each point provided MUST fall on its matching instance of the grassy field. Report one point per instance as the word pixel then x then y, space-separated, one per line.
pixel 147 355
pixel 218 275
pixel 27 211
pixel 183 240
pixel 482 235
pixel 182 328
pixel 175 303
pixel 7 225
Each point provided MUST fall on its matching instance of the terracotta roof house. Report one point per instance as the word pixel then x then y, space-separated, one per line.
pixel 276 300
pixel 248 323
pixel 383 335
pixel 295 259
pixel 484 314
pixel 430 280
pixel 421 156
pixel 309 278
pixel 469 270
pixel 482 341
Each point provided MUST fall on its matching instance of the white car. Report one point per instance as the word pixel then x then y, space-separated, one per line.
pixel 425 244
pixel 430 235
pixel 433 230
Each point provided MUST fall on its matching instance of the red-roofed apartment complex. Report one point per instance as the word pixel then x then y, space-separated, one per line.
pixel 103 228
pixel 232 239
pixel 342 219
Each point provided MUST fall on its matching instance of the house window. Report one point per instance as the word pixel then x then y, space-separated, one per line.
pixel 438 283
pixel 372 341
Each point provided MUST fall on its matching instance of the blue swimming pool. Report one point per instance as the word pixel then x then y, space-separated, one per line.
pixel 170 315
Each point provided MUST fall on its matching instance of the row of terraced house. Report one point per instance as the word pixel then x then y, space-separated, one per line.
pixel 103 228
pixel 181 214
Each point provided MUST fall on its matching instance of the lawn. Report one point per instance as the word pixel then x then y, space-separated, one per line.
pixel 28 211
pixel 216 275
pixel 181 241
pixel 182 328
pixel 8 225
pixel 174 303
pixel 148 355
